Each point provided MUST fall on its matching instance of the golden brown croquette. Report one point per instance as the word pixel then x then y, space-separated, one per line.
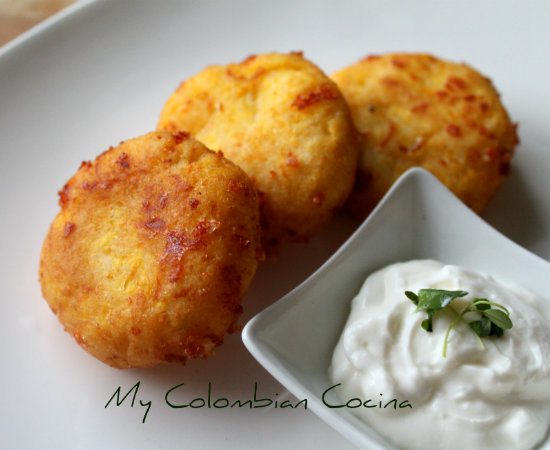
pixel 417 110
pixel 281 119
pixel 153 250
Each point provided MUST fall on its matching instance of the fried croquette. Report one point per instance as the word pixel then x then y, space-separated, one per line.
pixel 154 247
pixel 281 119
pixel 417 110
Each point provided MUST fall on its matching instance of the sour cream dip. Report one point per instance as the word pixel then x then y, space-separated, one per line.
pixel 492 398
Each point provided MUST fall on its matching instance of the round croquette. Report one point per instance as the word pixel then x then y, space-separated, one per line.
pixel 418 110
pixel 152 252
pixel 281 119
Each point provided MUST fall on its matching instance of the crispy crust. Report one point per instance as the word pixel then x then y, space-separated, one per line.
pixel 155 246
pixel 417 110
pixel 282 120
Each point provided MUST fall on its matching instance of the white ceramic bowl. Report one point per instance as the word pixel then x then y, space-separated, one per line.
pixel 418 218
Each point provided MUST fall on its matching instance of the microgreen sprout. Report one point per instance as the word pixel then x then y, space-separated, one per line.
pixel 492 319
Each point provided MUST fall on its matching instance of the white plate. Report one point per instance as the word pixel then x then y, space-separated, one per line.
pixel 409 223
pixel 100 73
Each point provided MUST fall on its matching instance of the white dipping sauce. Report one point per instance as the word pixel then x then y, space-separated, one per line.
pixel 497 398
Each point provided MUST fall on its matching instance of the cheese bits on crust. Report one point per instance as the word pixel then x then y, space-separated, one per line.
pixel 281 119
pixel 417 110
pixel 154 248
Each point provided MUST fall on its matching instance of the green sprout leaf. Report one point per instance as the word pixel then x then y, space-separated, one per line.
pixel 481 327
pixel 427 324
pixel 412 297
pixel 499 318
pixel 496 331
pixel 481 306
pixel 436 299
pixel 476 326
pixel 490 322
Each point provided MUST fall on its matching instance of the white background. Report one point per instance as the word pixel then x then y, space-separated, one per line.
pixel 99 74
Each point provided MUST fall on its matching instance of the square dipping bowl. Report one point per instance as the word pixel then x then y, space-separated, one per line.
pixel 419 218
